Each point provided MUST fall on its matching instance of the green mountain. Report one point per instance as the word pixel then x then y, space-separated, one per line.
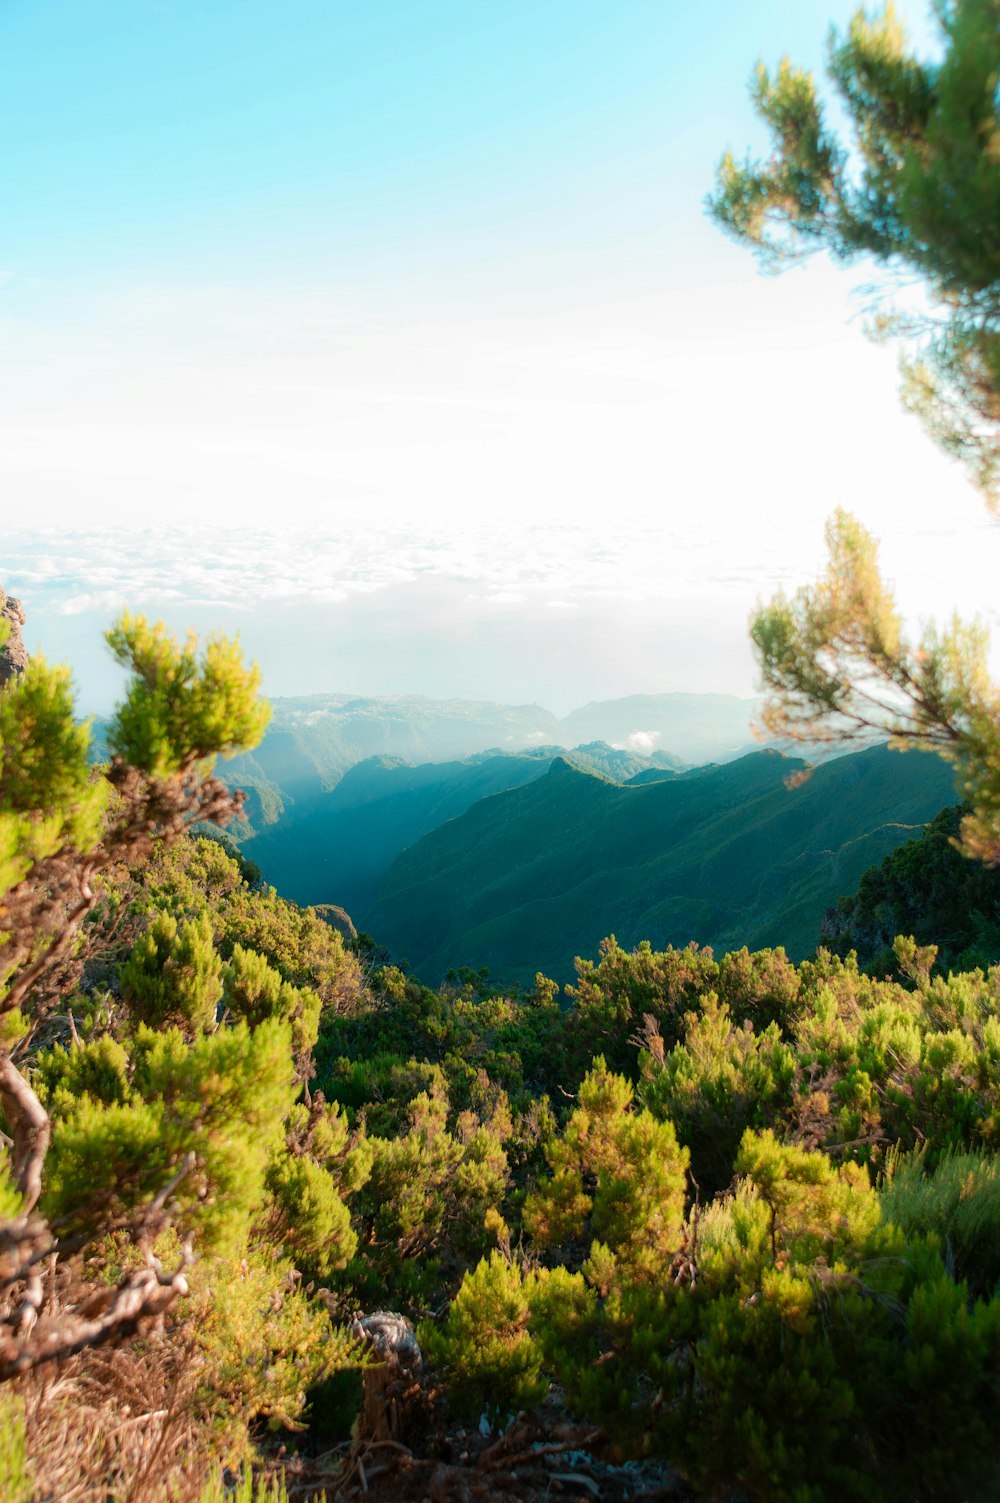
pixel 725 855
pixel 314 740
pixel 336 846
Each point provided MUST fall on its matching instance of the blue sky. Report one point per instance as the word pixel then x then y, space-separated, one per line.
pixel 350 287
pixel 371 141
pixel 470 147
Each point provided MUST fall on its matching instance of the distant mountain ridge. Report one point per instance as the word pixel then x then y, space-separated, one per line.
pixel 726 855
pixel 314 740
pixel 514 858
pixel 695 727
pixel 337 845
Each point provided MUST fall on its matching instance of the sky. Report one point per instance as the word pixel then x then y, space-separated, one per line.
pixel 395 337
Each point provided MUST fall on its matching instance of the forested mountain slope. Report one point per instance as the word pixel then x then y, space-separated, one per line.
pixel 336 846
pixel 726 856
pixel 928 889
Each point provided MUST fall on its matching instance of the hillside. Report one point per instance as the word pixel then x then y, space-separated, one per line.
pixel 727 855
pixel 928 889
pixel 336 846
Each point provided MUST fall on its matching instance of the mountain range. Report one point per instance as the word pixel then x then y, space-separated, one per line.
pixel 313 741
pixel 516 857
pixel 340 844
pixel 746 852
pixel 467 833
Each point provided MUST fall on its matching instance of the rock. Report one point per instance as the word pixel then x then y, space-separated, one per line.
pixel 13 653
pixel 337 918
pixel 391 1338
pixel 392 1342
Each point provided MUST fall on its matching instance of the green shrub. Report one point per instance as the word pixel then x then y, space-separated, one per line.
pixel 174 975
pixel 215 1105
pixel 15 1470
pixel 618 1179
pixel 719 1081
pixel 958 1202
pixel 483 1345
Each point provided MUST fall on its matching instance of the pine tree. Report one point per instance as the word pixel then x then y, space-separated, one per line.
pixel 918 189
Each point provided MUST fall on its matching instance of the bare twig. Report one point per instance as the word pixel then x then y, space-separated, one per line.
pixel 29 1123
pixel 110 1315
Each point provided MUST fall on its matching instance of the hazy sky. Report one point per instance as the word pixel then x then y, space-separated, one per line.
pixel 395 336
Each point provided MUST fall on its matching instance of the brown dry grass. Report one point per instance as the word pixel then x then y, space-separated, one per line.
pixel 118 1426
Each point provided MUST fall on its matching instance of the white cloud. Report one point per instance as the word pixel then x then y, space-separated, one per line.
pixel 636 463
pixel 643 743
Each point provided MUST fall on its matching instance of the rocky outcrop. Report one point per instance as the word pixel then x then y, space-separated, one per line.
pixel 13 653
pixel 337 918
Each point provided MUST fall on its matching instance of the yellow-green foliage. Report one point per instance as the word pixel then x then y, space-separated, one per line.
pixel 618 1176
pixel 254 990
pixel 181 708
pixel 195 878
pixel 623 987
pixel 192 876
pixel 721 1079
pixel 428 1195
pixel 179 711
pixel 299 946
pixel 98 1068
pixel 174 975
pixel 167 1115
pixel 779 1336
pixel 10 1198
pixel 483 1346
pixel 62 822
pixel 818 1334
pixel 49 795
pixel 262 1343
pixel 13 1026
pixel 310 1216
pixel 958 1203
pixel 222 1098
pixel 15 1470
pixel 855 1062
pixel 248 1490
pixel 815 1208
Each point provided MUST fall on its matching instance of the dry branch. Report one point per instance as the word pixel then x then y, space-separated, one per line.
pixel 30 1128
pixel 109 1315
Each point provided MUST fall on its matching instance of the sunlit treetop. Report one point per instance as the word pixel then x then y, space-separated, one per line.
pixel 916 187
